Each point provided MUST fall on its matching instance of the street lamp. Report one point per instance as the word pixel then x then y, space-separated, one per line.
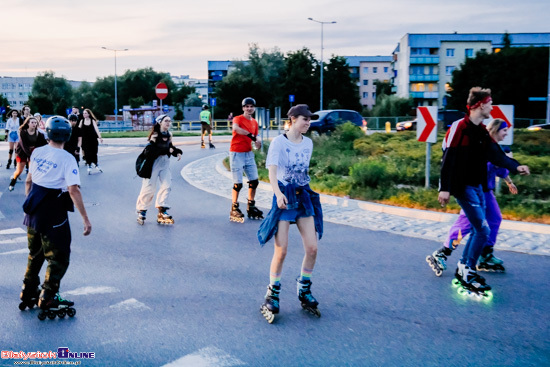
pixel 322 66
pixel 116 99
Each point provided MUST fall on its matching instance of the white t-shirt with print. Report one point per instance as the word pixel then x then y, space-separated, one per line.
pixel 292 160
pixel 53 168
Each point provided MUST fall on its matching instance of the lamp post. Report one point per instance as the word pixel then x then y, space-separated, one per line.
pixel 116 99
pixel 322 66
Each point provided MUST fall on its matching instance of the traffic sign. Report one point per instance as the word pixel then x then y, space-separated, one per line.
pixel 291 97
pixel 213 102
pixel 426 124
pixel 161 90
pixel 165 108
pixel 505 112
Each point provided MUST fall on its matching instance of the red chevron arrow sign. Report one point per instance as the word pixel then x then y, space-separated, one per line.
pixel 505 112
pixel 426 124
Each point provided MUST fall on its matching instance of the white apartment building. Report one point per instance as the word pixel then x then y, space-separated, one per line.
pixel 366 70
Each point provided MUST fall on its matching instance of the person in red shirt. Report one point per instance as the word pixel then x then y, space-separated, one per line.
pixel 241 159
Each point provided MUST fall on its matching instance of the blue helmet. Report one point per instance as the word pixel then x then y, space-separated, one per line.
pixel 58 129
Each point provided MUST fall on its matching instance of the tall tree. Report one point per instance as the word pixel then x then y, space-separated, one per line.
pixel 50 94
pixel 301 80
pixel 513 75
pixel 339 86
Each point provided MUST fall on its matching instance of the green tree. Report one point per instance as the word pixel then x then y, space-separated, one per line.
pixel 302 79
pixel 193 101
pixel 84 96
pixel 382 87
pixel 4 103
pixel 50 94
pixel 392 106
pixel 339 86
pixel 513 75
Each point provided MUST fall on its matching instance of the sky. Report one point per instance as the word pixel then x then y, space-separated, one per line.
pixel 181 36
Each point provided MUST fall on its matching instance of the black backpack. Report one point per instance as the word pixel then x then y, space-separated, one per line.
pixel 144 162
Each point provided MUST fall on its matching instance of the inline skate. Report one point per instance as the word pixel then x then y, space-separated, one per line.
pixel 52 306
pixel 12 184
pixel 202 144
pixel 271 305
pixel 437 260
pixel 9 164
pixel 309 303
pixel 212 146
pixel 141 216
pixel 163 217
pixel 469 282
pixel 235 215
pixel 490 263
pixel 253 212
pixel 29 296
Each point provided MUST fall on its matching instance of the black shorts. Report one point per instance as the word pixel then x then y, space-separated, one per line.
pixel 206 127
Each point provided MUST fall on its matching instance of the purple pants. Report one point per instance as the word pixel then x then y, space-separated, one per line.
pixel 492 214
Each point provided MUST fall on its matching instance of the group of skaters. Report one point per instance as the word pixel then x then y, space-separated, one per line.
pixel 471 160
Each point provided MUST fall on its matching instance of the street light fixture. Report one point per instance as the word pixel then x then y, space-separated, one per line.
pixel 322 66
pixel 116 99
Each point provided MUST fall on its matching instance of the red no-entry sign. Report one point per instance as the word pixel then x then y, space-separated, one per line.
pixel 161 90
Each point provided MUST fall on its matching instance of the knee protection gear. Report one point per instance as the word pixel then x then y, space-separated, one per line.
pixel 237 187
pixel 10 151
pixel 253 184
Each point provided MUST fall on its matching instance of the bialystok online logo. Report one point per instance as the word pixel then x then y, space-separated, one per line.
pixel 62 353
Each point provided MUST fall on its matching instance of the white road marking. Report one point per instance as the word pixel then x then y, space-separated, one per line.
pixel 130 304
pixel 22 251
pixel 14 240
pixel 207 357
pixel 16 230
pixel 85 291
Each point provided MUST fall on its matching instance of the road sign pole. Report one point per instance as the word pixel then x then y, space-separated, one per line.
pixel 428 158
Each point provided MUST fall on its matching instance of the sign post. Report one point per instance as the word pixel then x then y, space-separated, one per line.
pixel 161 90
pixel 426 131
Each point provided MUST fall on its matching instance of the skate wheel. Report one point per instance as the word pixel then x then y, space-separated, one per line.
pixel 42 316
pixel 22 306
pixel 438 272
pixel 71 312
pixel 487 296
pixel 51 315
pixel 455 282
pixel 61 314
pixel 460 291
pixel 269 316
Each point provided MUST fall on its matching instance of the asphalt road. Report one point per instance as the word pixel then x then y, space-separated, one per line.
pixel 189 294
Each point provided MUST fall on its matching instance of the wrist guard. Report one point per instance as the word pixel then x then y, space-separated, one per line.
pixel 252 137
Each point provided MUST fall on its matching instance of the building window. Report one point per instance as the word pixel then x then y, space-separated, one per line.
pixel 385 69
pixel 450 52
pixel 469 52
pixel 375 70
pixel 449 70
pixel 366 82
pixel 374 95
pixel 417 70
pixel 366 69
pixel 365 94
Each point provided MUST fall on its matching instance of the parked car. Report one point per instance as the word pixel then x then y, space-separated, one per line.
pixel 329 119
pixel 539 127
pixel 406 125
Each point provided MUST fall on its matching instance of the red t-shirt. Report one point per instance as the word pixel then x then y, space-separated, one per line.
pixel 242 143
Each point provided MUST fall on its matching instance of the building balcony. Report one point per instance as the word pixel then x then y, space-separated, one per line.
pixel 424 78
pixel 425 60
pixel 424 95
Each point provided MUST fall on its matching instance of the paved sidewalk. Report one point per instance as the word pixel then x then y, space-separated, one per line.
pixel 210 175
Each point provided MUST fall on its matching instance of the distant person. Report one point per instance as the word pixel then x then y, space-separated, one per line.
pixel 159 150
pixel 241 159
pixel 90 137
pixel 12 128
pixel 293 203
pixel 29 139
pixel 230 118
pixel 72 145
pixel 25 113
pixel 52 189
pixel 41 124
pixel 206 125
pixel 468 147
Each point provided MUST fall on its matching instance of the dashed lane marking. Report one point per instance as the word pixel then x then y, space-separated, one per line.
pixel 207 357
pixel 85 291
pixel 130 304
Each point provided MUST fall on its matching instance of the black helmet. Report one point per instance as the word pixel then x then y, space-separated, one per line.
pixel 58 129
pixel 205 107
pixel 73 117
pixel 249 100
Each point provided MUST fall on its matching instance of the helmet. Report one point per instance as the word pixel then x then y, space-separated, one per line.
pixel 73 117
pixel 249 100
pixel 58 129
pixel 159 119
pixel 205 107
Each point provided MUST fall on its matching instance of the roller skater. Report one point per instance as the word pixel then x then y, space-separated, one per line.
pixel 12 127
pixel 29 295
pixel 271 305
pixel 468 146
pixel 241 156
pixel 235 215
pixel 53 305
pixel 293 203
pixel 89 139
pixel 309 303
pixel 163 217
pixel 156 167
pixel 206 125
pixel 141 216
pixel 253 212
pixel 46 217
pixel 471 283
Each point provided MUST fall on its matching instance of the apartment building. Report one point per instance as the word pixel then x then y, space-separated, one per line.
pixel 200 85
pixel 366 71
pixel 423 63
